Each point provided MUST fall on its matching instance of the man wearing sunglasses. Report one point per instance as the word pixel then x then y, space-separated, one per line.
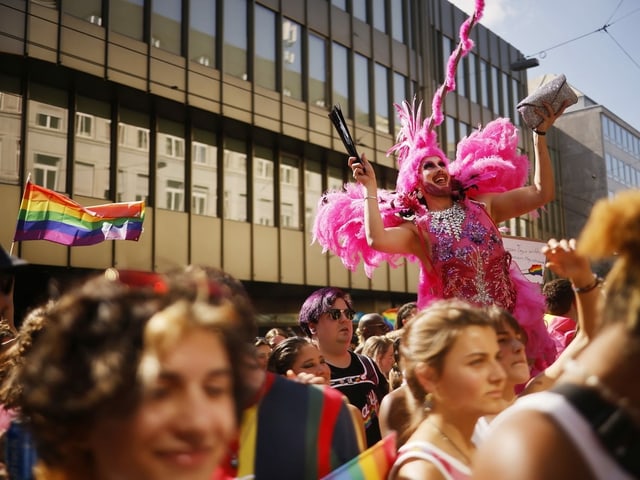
pixel 327 317
pixel 8 264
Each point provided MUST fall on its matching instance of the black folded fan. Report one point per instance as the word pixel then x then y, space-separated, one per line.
pixel 341 126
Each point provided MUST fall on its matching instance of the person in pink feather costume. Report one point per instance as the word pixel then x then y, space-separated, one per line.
pixel 444 215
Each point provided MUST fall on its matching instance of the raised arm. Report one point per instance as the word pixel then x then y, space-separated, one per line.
pixel 511 204
pixel 563 260
pixel 402 239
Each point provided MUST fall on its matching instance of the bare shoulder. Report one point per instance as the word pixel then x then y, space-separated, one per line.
pixel 531 446
pixel 418 469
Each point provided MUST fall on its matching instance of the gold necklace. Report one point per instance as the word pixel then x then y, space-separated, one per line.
pixel 453 444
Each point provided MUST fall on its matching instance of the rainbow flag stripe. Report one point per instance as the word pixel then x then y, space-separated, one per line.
pixel 372 464
pixel 535 269
pixel 48 215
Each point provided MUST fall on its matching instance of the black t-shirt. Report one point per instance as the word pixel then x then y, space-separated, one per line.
pixel 364 385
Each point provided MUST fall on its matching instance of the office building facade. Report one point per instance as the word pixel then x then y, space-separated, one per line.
pixel 215 113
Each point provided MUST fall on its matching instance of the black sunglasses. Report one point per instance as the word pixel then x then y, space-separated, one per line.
pixel 336 312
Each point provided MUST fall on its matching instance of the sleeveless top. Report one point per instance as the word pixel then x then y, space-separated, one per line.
pixel 468 258
pixel 469 261
pixel 574 425
pixel 450 467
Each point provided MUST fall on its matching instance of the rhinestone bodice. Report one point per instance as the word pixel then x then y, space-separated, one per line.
pixel 468 257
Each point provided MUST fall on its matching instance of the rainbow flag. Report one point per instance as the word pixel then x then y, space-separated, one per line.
pixel 48 215
pixel 372 464
pixel 535 269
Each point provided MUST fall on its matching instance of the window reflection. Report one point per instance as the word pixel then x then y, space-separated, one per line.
pixel 204 173
pixel 312 191
pixel 166 19
pixel 10 116
pixel 360 9
pixel 291 59
pixel 92 148
pixel 340 71
pixel 47 137
pixel 263 186
pixel 382 98
pixel 234 54
pixel 132 181
pixel 361 72
pixel 317 71
pixel 397 20
pixel 379 15
pixel 399 94
pixel 290 192
pixel 170 187
pixel 202 32
pixel 235 180
pixel 265 47
pixel 89 10
pixel 127 17
pixel 484 83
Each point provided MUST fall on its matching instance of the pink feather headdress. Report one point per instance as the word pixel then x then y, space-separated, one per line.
pixel 416 139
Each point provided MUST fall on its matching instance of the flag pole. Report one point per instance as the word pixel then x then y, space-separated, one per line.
pixel 13 242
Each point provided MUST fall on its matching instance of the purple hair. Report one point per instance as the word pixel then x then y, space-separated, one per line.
pixel 319 302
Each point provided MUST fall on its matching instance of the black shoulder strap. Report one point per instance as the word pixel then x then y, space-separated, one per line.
pixel 616 430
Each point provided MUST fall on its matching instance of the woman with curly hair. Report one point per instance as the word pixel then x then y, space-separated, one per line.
pixel 125 383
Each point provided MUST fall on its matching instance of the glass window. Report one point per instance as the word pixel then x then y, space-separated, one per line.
pixel 89 10
pixel 397 20
pixel 312 191
pixel 47 137
pixel 484 83
pixel 340 4
pixel 10 115
pixel 360 9
pixel 506 107
pixel 235 180
pixel 461 77
pixel 170 165
pixel 202 32
pixel 204 173
pixel 399 94
pixel 380 16
pixel 234 55
pixel 473 77
pixel 133 157
pixel 495 90
pixel 340 70
pixel 166 19
pixel 317 71
pixel 92 148
pixel 361 73
pixel 291 59
pixel 335 180
pixel 290 192
pixel 265 48
pixel 382 98
pixel 451 136
pixel 263 186
pixel 127 17
pixel 515 99
pixel 446 52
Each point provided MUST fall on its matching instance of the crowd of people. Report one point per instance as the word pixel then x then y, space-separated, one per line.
pixel 150 376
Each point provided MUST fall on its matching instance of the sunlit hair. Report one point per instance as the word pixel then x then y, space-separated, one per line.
pixel 319 302
pixel 376 347
pixel 284 355
pixel 613 230
pixel 429 337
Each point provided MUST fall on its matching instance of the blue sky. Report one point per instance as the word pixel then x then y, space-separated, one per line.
pixel 603 65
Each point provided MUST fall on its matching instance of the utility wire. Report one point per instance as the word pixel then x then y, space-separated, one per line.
pixel 603 28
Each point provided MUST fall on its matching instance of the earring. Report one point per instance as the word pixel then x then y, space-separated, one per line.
pixel 428 401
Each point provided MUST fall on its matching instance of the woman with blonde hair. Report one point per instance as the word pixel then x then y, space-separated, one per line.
pixel 449 355
pixel 588 425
